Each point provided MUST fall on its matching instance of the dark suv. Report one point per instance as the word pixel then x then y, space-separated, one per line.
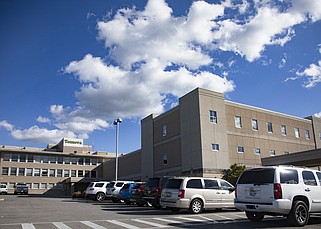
pixel 153 190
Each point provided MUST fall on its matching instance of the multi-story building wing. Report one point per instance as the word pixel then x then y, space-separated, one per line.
pixel 205 134
pixel 59 169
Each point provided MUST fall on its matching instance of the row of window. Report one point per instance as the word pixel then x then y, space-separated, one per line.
pixel 240 149
pixel 255 125
pixel 37 185
pixel 15 157
pixel 37 172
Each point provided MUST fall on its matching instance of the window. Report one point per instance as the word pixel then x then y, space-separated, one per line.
pixel 67 160
pixel 87 161
pixel 37 159
pixel 215 147
pixel 45 159
pixel 238 121
pixel 21 172
pixel 73 173
pixel 52 160
pixel 14 157
pixel 59 172
pixel 286 152
pixel 194 183
pixel 297 132
pixel 52 172
pixel 94 161
pixel 283 130
pixel 289 176
pixel 5 171
pixel 80 161
pixel 66 173
pixel 13 171
pixel 255 125
pixel 269 127
pixel 225 185
pixel 240 149
pixel 29 172
pixel 22 158
pixel 164 130
pixel 307 134
pixel 319 177
pixel 30 158
pixel 87 173
pixel 60 160
pixel 165 159
pixel 257 151
pixel 211 184
pixel 6 156
pixel 44 172
pixel 308 178
pixel 74 160
pixel 80 173
pixel 36 172
pixel 43 186
pixel 213 116
pixel 272 152
pixel 35 186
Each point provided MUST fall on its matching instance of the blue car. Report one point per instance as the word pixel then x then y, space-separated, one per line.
pixel 125 192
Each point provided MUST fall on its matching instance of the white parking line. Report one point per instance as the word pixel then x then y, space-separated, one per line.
pixel 172 221
pixel 123 224
pixel 191 219
pixel 224 217
pixel 61 225
pixel 28 226
pixel 92 225
pixel 150 223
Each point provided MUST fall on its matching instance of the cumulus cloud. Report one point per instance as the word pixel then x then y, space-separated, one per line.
pixel 312 73
pixel 318 115
pixel 6 125
pixel 43 119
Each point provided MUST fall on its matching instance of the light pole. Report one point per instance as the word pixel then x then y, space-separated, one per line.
pixel 116 123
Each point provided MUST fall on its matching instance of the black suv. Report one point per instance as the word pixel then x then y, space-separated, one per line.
pixel 153 190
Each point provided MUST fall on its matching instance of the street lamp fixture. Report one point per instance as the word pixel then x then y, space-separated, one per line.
pixel 116 123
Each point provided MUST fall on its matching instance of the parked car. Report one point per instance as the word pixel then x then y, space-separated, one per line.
pixel 3 189
pixel 197 193
pixel 125 192
pixel 21 188
pixel 137 194
pixel 113 188
pixel 279 190
pixel 96 190
pixel 153 189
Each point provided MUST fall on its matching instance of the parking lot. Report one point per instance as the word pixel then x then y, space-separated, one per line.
pixel 30 212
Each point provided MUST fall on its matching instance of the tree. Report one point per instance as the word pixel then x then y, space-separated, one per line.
pixel 232 174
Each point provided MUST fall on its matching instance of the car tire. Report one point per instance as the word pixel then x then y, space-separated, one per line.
pixel 299 214
pixel 196 206
pixel 254 216
pixel 100 196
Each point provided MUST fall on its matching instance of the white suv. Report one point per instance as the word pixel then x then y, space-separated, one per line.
pixel 197 193
pixel 97 190
pixel 113 188
pixel 279 190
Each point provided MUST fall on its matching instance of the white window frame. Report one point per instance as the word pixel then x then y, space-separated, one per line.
pixel 297 132
pixel 307 135
pixel 215 147
pixel 213 116
pixel 283 130
pixel 257 151
pixel 269 127
pixel 255 124
pixel 272 152
pixel 238 121
pixel 240 149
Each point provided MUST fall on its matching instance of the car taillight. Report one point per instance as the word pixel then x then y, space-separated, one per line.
pixel 181 193
pixel 277 191
pixel 141 189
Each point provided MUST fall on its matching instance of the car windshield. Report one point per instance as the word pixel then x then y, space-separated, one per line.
pixel 152 182
pixel 257 176
pixel 174 183
pixel 111 184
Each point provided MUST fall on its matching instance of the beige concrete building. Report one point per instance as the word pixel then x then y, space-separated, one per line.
pixel 59 169
pixel 206 133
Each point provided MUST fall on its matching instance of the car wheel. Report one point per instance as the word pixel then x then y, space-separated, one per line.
pixel 299 214
pixel 254 216
pixel 100 196
pixel 196 206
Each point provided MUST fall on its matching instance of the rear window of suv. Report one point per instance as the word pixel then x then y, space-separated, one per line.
pixel 152 182
pixel 99 185
pixel 174 183
pixel 257 176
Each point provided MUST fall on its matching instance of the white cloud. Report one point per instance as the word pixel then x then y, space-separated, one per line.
pixel 43 119
pixel 318 115
pixel 313 74
pixel 6 125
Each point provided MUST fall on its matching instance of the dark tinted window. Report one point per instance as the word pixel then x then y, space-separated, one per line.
pixel 126 186
pixel 152 182
pixel 289 176
pixel 91 184
pixel 111 184
pixel 225 185
pixel 194 183
pixel 99 185
pixel 308 178
pixel 211 184
pixel 119 184
pixel 163 181
pixel 257 176
pixel 174 183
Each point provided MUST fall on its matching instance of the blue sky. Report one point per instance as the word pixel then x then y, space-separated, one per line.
pixel 69 68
